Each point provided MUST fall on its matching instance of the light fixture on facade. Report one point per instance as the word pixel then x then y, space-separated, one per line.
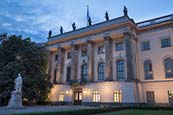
pixel 84 92
pixel 67 92
pixel 169 71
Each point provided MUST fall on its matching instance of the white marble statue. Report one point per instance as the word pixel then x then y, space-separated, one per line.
pixel 18 83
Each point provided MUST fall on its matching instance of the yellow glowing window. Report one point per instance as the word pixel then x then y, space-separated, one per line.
pixel 96 96
pixel 61 96
pixel 117 96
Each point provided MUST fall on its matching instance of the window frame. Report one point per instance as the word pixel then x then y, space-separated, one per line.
pixel 168 67
pixel 101 50
pixel 165 43
pixel 148 70
pixel 120 48
pixel 150 96
pixel 117 96
pixel 84 72
pixel 101 71
pixel 84 52
pixel 96 96
pixel 145 45
pixel 120 69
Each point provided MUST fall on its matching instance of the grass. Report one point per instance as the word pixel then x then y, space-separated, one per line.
pixel 138 112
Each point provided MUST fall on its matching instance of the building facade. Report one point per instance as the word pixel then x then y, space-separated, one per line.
pixel 116 61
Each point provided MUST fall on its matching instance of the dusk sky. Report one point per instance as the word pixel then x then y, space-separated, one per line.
pixel 34 18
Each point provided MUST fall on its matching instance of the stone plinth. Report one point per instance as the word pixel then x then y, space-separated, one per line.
pixel 15 100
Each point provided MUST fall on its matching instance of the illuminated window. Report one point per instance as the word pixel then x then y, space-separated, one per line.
pixel 119 46
pixel 84 52
pixel 68 73
pixel 150 96
pixel 96 96
pixel 170 96
pixel 148 69
pixel 101 50
pixel 117 96
pixel 61 96
pixel 101 67
pixel 84 71
pixel 168 63
pixel 166 42
pixel 120 69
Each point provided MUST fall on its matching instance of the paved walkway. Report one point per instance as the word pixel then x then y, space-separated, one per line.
pixel 30 109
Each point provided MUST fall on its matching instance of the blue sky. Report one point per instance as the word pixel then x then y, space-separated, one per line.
pixel 34 18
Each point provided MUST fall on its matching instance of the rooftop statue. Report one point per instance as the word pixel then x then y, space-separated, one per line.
pixel 89 21
pixel 61 30
pixel 74 26
pixel 106 16
pixel 125 11
pixel 49 34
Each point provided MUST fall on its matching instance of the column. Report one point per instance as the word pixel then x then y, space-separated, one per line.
pixel 90 63
pixel 129 56
pixel 49 68
pixel 108 58
pixel 74 62
pixel 60 65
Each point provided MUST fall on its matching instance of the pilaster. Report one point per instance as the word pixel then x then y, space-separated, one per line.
pixel 90 63
pixel 108 57
pixel 74 62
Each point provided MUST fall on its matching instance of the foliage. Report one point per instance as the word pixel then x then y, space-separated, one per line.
pixel 23 56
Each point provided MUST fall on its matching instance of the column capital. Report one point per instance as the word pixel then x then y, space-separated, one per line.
pixel 127 34
pixel 107 37
pixel 90 42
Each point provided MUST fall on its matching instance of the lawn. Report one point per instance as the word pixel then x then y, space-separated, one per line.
pixel 139 112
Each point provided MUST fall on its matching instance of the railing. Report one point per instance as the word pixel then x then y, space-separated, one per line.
pixel 155 21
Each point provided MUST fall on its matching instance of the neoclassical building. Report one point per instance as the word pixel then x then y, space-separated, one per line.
pixel 116 61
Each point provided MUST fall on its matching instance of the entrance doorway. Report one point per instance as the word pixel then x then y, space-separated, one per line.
pixel 78 96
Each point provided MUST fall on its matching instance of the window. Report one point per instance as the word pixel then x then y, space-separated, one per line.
pixel 101 50
pixel 117 96
pixel 119 46
pixel 120 69
pixel 54 79
pixel 148 69
pixel 56 57
pixel 101 68
pixel 146 45
pixel 170 96
pixel 61 96
pixel 96 96
pixel 84 71
pixel 84 52
pixel 166 42
pixel 68 55
pixel 168 63
pixel 150 96
pixel 68 74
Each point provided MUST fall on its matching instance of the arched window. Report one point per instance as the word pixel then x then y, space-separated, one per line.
pixel 54 77
pixel 101 68
pixel 84 70
pixel 168 63
pixel 148 69
pixel 120 69
pixel 68 73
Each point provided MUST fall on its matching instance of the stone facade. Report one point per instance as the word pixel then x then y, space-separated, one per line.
pixel 113 42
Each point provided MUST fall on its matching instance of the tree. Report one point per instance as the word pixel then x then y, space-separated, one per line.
pixel 23 56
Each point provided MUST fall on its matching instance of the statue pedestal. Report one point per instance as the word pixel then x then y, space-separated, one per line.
pixel 15 100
